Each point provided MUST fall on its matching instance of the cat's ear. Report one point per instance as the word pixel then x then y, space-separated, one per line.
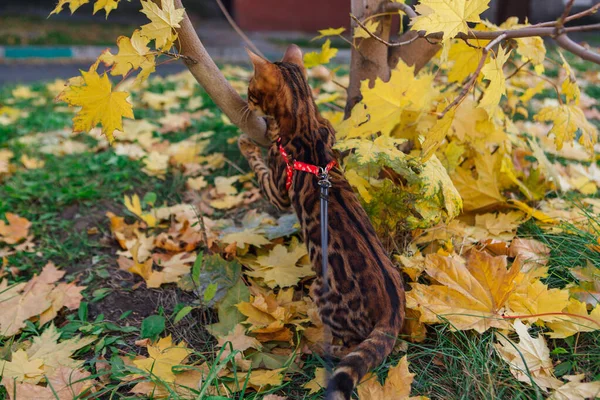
pixel 293 55
pixel 258 62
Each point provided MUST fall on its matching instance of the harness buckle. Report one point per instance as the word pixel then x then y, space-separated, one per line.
pixel 323 176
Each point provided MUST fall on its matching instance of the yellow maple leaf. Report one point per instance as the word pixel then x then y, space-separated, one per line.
pixel 133 54
pixel 471 294
pixel 279 267
pixel 247 236
pixel 21 302
pixel 483 191
pixel 224 185
pixel 385 102
pixel 16 230
pixel 465 59
pixel 436 135
pixel 569 86
pixel 239 340
pixel 447 16
pixel 99 104
pixel 63 383
pixel 134 205
pixel 164 21
pixel 532 49
pixel 106 5
pixel 371 25
pixel 318 382
pixel 493 72
pixel 21 368
pixel 529 359
pixel 31 162
pixel 367 150
pixel 63 295
pixel 55 353
pixel 566 120
pixel 570 324
pixel 397 384
pixel 162 357
pixel 314 58
pixel 268 314
pixel 329 32
pixel 361 184
pixel 73 5
pixel 575 389
pixel 439 194
pixel 197 183
pixel 258 379
pixel 23 92
pixel 535 299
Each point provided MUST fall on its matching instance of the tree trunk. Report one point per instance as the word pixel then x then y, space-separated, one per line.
pixel 369 60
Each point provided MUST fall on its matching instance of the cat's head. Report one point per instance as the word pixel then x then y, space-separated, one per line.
pixel 274 86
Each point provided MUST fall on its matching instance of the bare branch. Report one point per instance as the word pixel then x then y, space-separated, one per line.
pixel 561 21
pixel 374 36
pixel 514 33
pixel 566 43
pixel 237 29
pixel 212 80
pixel 585 13
pixel 463 93
pixel 405 8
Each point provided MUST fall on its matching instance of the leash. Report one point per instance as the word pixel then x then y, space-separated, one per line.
pixel 324 184
pixel 322 173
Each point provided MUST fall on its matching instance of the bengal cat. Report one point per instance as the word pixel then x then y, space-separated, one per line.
pixel 363 303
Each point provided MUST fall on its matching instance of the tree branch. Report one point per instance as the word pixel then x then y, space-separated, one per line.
pixel 405 8
pixel 380 40
pixel 237 29
pixel 566 43
pixel 511 33
pixel 208 75
pixel 463 93
pixel 585 13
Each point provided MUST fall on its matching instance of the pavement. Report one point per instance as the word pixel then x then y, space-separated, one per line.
pixel 23 64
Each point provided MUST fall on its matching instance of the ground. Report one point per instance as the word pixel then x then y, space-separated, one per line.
pixel 74 188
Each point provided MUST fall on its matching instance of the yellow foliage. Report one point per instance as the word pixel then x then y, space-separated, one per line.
pixel 447 16
pixel 99 104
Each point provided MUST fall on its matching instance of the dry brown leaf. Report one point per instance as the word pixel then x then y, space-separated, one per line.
pixel 15 230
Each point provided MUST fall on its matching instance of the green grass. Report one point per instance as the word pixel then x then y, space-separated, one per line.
pixel 71 194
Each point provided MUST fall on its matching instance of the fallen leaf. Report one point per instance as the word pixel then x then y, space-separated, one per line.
pixel 529 359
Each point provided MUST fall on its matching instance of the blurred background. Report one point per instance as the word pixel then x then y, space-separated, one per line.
pixel 29 38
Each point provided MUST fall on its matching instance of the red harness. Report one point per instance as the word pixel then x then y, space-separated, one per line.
pixel 300 166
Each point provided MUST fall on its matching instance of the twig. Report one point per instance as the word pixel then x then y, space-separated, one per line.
pixel 374 36
pixel 405 8
pixel 542 77
pixel 514 33
pixel 585 13
pixel 516 71
pixel 179 55
pixel 561 21
pixel 566 43
pixel 339 84
pixel 238 30
pixel 463 93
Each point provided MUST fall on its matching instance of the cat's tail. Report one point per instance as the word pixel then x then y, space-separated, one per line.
pixel 367 355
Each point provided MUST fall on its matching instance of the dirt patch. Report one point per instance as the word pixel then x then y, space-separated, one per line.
pixel 85 218
pixel 126 294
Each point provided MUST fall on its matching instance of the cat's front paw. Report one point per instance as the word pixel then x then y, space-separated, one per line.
pixel 247 146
